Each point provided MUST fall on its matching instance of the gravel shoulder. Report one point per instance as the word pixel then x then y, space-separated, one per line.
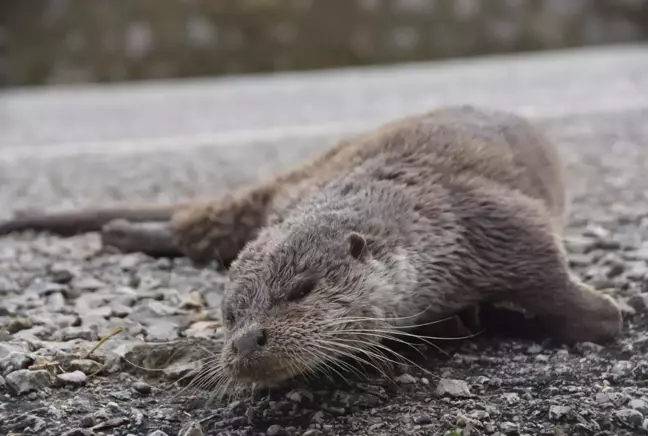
pixel 59 296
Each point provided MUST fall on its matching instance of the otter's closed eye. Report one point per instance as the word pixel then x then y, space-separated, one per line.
pixel 301 288
pixel 229 317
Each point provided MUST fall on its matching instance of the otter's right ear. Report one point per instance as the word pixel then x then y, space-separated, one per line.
pixel 357 246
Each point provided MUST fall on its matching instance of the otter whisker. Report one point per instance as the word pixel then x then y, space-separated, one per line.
pixel 388 334
pixel 372 362
pixel 344 366
pixel 382 347
pixel 204 379
pixel 349 355
pixel 359 319
pixel 191 384
pixel 210 378
pixel 299 366
pixel 326 367
pixel 326 360
pixel 206 362
pixel 295 363
pixel 208 351
pixel 329 364
pixel 225 387
pixel 383 337
pixel 395 318
pixel 397 332
pixel 368 353
pixel 143 368
pixel 312 371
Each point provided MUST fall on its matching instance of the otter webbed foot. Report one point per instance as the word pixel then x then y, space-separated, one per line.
pixel 588 316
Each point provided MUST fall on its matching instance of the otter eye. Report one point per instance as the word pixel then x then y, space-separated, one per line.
pixel 229 317
pixel 302 288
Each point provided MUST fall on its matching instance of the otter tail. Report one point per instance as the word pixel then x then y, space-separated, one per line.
pixel 73 222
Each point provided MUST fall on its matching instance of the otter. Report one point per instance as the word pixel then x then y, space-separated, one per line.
pixel 412 222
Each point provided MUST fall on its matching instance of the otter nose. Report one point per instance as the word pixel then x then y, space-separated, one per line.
pixel 250 341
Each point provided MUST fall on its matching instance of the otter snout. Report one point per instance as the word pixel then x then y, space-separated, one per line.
pixel 250 342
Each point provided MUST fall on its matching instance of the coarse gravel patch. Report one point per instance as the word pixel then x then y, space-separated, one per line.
pixel 59 296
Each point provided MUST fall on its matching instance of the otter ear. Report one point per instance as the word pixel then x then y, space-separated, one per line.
pixel 357 246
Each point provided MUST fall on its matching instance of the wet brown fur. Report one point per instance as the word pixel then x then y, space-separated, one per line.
pixel 412 222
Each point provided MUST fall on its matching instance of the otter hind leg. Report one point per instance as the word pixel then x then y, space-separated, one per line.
pixel 219 230
pixel 564 306
pixel 520 259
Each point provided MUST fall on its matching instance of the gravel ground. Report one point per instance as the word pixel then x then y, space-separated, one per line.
pixel 59 296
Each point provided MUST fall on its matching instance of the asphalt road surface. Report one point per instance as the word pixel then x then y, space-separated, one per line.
pixel 90 144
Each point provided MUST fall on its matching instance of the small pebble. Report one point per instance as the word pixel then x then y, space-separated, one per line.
pixel 423 419
pixel 142 388
pixel 453 388
pixel 631 418
pixel 88 284
pixel 639 405
pixel 193 301
pixel 297 396
pixel 622 367
pixel 588 347
pixel 479 414
pixel 87 421
pixel 508 427
pixel 74 378
pixel 596 231
pixel 406 379
pixel 17 324
pixel 193 429
pixel 13 360
pixel 276 430
pixel 203 329
pixel 61 276
pixel 24 381
pixel 639 302
pixel 79 432
pixel 88 366
pixel 511 398
pixel 558 412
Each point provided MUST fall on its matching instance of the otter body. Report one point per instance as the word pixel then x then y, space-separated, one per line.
pixel 404 225
pixel 410 223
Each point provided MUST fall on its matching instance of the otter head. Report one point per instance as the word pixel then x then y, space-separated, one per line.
pixel 295 296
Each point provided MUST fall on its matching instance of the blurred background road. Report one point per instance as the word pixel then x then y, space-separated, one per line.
pixel 167 139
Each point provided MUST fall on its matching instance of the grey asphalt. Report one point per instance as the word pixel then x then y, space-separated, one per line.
pixel 170 139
